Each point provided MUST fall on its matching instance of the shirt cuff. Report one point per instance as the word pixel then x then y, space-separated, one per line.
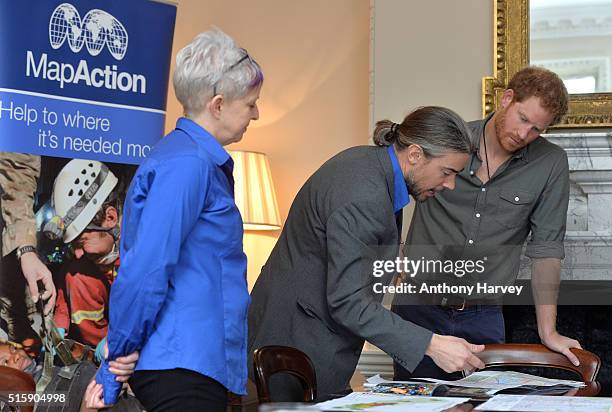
pixel 25 233
pixel 541 250
pixel 111 388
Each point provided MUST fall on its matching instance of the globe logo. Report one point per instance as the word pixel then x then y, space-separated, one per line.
pixel 97 29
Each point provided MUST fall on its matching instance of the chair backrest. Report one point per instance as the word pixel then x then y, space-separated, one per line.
pixel 14 380
pixel 535 355
pixel 269 360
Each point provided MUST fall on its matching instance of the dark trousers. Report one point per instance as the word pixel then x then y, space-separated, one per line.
pixel 477 324
pixel 178 390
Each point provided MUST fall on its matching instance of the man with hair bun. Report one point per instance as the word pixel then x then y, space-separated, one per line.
pixel 316 291
pixel 515 188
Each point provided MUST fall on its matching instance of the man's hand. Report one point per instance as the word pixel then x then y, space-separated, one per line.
pixel 562 344
pixel 453 354
pixel 123 366
pixel 34 270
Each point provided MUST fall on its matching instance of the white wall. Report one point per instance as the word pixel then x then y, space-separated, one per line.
pixel 430 52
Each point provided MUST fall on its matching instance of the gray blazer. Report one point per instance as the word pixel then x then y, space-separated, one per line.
pixel 315 292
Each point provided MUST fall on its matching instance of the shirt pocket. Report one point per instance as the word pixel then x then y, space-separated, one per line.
pixel 513 207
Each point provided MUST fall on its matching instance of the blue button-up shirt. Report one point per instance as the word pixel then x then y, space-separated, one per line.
pixel 181 295
pixel 400 187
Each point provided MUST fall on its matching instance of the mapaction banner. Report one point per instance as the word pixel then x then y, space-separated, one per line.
pixel 83 88
pixel 84 79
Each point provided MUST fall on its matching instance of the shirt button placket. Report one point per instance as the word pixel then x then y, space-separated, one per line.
pixel 479 201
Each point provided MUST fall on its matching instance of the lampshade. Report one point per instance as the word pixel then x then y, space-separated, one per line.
pixel 254 191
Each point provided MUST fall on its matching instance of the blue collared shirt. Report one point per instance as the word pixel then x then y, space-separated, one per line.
pixel 181 294
pixel 400 187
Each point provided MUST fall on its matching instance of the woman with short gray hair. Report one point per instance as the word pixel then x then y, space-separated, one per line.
pixel 181 295
pixel 212 65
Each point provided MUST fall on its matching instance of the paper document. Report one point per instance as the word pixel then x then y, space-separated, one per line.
pixel 524 403
pixel 375 380
pixel 500 380
pixel 378 402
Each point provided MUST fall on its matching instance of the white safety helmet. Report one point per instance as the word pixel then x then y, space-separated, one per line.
pixel 79 191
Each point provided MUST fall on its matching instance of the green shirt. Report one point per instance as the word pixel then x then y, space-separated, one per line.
pixel 526 199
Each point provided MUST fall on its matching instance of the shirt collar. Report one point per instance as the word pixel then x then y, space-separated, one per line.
pixel 205 140
pixel 400 187
pixel 522 154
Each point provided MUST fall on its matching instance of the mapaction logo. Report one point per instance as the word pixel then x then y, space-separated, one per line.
pixel 96 30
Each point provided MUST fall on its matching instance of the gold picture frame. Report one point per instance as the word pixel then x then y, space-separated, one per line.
pixel 511 53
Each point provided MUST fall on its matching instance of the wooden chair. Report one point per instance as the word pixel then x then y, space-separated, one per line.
pixel 535 355
pixel 13 380
pixel 270 360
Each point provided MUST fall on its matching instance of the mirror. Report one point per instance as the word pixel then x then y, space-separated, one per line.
pixel 573 38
